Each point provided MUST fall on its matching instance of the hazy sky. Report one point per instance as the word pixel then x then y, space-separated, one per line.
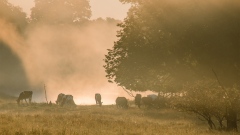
pixel 100 8
pixel 71 64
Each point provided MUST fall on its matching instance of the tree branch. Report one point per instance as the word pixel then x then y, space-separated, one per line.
pixel 128 92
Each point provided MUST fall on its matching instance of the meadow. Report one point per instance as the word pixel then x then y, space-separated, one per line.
pixel 43 119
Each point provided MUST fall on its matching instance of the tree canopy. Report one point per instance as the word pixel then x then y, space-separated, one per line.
pixel 12 14
pixel 165 44
pixel 61 11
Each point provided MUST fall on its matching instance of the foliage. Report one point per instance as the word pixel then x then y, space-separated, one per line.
pixel 61 11
pixel 12 14
pixel 209 101
pixel 165 44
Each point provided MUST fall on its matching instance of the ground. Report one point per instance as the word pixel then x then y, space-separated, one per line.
pixel 42 119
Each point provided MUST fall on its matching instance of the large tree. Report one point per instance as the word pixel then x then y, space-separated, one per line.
pixel 165 44
pixel 61 11
pixel 13 78
pixel 168 43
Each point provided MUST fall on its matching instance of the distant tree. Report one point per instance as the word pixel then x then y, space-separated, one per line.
pixel 163 45
pixel 61 11
pixel 13 14
pixel 106 21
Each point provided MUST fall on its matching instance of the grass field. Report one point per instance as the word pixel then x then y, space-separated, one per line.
pixel 42 119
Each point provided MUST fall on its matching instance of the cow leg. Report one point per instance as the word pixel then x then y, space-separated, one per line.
pixel 26 100
pixel 139 105
pixel 30 100
pixel 99 102
pixel 20 102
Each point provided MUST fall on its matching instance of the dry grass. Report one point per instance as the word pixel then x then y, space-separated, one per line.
pixel 41 119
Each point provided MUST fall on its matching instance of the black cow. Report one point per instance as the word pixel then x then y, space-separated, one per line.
pixel 60 98
pixel 63 99
pixel 121 102
pixel 152 101
pixel 25 95
pixel 138 100
pixel 147 101
pixel 68 100
pixel 98 99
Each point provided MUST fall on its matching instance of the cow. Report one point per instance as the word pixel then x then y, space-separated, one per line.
pixel 25 95
pixel 138 100
pixel 153 96
pixel 98 99
pixel 121 102
pixel 67 100
pixel 152 101
pixel 60 98
pixel 147 101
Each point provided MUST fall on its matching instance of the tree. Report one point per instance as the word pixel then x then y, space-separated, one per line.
pixel 12 14
pixel 165 44
pixel 60 11
pixel 205 99
pixel 12 70
pixel 183 40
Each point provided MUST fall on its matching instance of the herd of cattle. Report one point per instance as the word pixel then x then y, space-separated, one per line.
pixel 121 102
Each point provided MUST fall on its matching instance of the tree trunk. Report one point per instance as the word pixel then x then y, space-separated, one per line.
pixel 231 120
pixel 211 124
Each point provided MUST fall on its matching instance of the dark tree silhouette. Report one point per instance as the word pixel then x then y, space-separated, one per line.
pixel 61 11
pixel 13 14
pixel 165 44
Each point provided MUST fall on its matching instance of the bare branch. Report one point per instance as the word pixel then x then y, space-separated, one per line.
pixel 225 91
pixel 128 92
pixel 218 80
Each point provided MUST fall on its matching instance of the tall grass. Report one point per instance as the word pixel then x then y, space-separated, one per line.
pixel 42 119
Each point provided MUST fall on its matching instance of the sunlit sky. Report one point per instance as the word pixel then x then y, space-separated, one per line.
pixel 100 8
pixel 89 77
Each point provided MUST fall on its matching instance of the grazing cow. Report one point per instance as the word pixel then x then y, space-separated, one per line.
pixel 138 100
pixel 153 97
pixel 121 102
pixel 147 101
pixel 60 98
pixel 25 95
pixel 98 99
pixel 152 101
pixel 67 100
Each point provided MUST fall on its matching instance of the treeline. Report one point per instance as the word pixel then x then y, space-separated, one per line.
pixel 55 12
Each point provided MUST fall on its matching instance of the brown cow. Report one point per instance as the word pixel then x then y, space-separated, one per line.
pixel 98 99
pixel 25 95
pixel 147 101
pixel 60 98
pixel 138 100
pixel 121 102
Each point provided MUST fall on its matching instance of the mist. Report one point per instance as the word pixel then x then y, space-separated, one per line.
pixel 66 59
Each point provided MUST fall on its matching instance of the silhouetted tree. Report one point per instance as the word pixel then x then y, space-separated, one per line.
pixel 13 78
pixel 61 11
pixel 165 44
pixel 12 14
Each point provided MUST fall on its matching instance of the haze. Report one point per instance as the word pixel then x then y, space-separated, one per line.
pixel 100 8
pixel 66 59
